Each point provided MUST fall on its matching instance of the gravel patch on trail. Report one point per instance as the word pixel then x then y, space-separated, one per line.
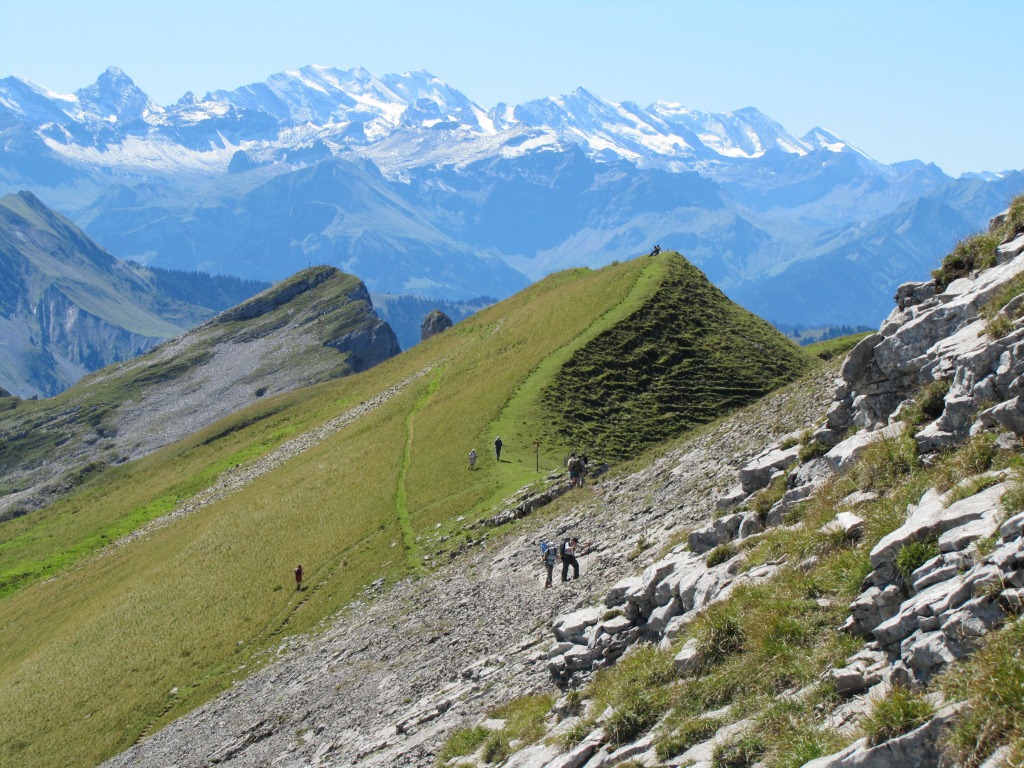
pixel 398 670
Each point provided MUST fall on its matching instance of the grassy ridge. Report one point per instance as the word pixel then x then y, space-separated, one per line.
pixel 686 356
pixel 92 656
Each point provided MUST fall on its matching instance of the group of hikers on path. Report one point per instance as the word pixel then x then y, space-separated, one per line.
pixel 497 453
pixel 551 552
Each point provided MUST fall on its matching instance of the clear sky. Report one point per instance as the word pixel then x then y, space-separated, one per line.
pixel 908 79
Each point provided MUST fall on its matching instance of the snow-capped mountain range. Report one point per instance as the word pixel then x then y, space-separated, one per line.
pixel 408 183
pixel 352 110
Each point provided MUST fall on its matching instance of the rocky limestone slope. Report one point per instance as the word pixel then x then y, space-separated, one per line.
pixel 404 667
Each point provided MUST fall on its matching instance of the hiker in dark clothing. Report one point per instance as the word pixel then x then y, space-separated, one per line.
pixel 569 559
pixel 298 577
pixel 497 448
pixel 549 556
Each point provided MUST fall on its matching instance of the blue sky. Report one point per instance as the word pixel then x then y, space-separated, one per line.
pixel 925 79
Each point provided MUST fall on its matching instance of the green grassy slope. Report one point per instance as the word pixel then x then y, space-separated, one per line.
pixel 92 655
pixel 685 357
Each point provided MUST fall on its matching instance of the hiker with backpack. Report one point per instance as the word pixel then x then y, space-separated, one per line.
pixel 568 552
pixel 472 459
pixel 298 577
pixel 575 465
pixel 497 449
pixel 549 553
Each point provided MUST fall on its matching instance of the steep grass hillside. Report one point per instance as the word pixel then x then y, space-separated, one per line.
pixel 317 325
pixel 665 370
pixel 358 479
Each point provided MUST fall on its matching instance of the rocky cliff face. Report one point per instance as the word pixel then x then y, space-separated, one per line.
pixel 933 397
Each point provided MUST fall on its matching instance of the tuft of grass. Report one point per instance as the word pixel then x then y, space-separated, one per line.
pixel 743 751
pixel 766 498
pixel 1013 499
pixel 721 554
pixel 812 450
pixel 999 319
pixel 677 737
pixel 977 455
pixel 899 712
pixel 915 554
pixel 496 748
pixel 928 403
pixel 886 461
pixel 971 254
pixel 462 742
pixel 636 690
pixel 524 717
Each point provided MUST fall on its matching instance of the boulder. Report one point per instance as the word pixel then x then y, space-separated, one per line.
pixel 434 323
pixel 719 531
pixel 758 473
pixel 843 456
pixel 572 627
pixel 932 518
pixel 1009 251
pixel 687 661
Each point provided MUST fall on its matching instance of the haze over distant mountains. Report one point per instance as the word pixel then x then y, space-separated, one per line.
pixel 407 183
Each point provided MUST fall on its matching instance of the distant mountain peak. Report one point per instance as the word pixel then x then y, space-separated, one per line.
pixel 114 97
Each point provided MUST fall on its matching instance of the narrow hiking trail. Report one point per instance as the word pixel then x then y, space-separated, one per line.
pixel 413 554
pixel 541 374
pixel 234 479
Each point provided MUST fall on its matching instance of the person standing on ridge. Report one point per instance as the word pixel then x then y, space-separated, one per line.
pixel 472 459
pixel 298 577
pixel 497 449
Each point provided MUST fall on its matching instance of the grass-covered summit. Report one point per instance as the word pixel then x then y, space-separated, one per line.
pixel 684 357
pixel 358 479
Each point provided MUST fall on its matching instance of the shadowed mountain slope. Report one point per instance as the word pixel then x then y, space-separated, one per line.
pixel 68 307
pixel 359 479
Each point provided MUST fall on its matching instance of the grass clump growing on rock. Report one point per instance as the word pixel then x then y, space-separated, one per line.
pixel 812 449
pixel 524 724
pixel 915 554
pixel 901 711
pixel 971 254
pixel 721 554
pixel 886 461
pixel 679 734
pixel 928 404
pixel 742 751
pixel 462 742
